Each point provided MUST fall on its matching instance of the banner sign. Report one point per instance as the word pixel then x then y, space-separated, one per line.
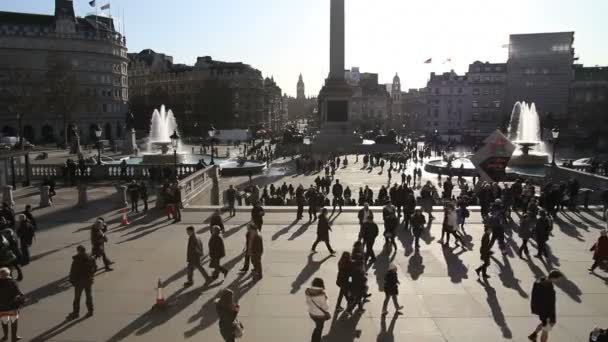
pixel 492 159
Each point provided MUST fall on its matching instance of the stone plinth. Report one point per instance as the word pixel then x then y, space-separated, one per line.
pixel 130 143
pixel 45 199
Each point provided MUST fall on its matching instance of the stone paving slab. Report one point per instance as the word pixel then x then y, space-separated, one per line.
pixel 443 299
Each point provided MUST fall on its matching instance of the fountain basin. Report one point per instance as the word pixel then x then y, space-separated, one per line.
pixel 240 168
pixel 159 158
pixel 535 159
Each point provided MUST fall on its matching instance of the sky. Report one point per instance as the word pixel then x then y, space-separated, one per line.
pixel 284 38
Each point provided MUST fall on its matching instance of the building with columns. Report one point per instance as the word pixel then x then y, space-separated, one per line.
pixel 60 73
pixel 448 100
pixel 370 104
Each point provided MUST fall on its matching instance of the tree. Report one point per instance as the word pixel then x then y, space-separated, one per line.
pixel 63 95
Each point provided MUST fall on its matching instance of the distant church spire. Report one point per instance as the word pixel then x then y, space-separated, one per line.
pixel 301 90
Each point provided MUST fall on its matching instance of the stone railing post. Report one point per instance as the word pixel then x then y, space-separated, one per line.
pixel 7 195
pixel 160 199
pixel 45 200
pixel 82 195
pixel 121 196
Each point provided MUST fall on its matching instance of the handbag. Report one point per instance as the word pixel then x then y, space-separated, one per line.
pixel 326 315
pixel 238 328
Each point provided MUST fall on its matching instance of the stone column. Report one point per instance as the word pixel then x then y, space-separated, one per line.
pixel 45 200
pixel 82 196
pixel 7 195
pixel 336 40
pixel 121 196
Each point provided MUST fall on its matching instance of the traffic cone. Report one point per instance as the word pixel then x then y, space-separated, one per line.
pixel 124 221
pixel 160 304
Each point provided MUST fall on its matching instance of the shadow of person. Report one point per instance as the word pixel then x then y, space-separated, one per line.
pixel 507 277
pixel 386 334
pixel 232 231
pixel 284 230
pixel 49 290
pixel 457 271
pixel 406 238
pixel 415 267
pixel 426 233
pixel 344 329
pixel 307 272
pixel 570 288
pixel 303 228
pixel 497 314
pixel 58 329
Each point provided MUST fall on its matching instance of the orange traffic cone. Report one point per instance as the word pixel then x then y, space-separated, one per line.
pixel 124 221
pixel 160 304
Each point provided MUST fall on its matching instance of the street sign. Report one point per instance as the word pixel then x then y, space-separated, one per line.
pixel 492 158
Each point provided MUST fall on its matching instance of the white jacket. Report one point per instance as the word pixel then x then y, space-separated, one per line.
pixel 316 295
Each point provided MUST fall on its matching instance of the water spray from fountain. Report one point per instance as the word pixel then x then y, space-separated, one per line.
pixel 162 125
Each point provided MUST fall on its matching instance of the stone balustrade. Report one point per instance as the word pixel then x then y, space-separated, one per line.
pixel 203 180
pixel 98 172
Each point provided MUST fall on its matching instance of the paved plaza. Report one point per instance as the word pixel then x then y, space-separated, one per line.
pixel 443 299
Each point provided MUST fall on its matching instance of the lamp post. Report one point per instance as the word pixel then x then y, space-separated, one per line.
pixel 555 134
pixel 98 136
pixel 20 128
pixel 174 142
pixel 211 133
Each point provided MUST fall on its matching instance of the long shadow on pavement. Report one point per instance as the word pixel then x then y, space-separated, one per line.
pixel 344 328
pixel 58 329
pixel 48 290
pixel 497 313
pixel 386 334
pixel 307 272
pixel 507 277
pixel 56 250
pixel 415 266
pixel 303 228
pixel 284 230
pixel 456 268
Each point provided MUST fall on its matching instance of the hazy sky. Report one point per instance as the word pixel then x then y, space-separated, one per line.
pixel 285 37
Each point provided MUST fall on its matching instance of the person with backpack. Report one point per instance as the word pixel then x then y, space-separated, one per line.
pixel 391 290
pixel 82 273
pixel 542 303
pixel 600 251
pixel 318 307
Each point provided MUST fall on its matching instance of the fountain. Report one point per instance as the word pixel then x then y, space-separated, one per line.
pixel 162 125
pixel 525 131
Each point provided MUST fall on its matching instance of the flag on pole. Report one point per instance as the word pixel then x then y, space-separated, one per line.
pixel 92 3
pixel 448 60
pixel 428 61
pixel 105 7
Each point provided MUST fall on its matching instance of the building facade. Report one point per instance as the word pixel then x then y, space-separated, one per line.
pixel 415 109
pixel 449 104
pixel 225 94
pixel 588 105
pixel 61 74
pixel 371 103
pixel 539 70
pixel 488 109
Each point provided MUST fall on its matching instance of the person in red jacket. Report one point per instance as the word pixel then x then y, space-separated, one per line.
pixel 600 249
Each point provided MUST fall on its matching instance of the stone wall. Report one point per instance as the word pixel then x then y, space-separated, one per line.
pixel 586 180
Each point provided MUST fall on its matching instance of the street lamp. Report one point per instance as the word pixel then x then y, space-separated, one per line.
pixel 98 136
pixel 211 133
pixel 555 134
pixel 174 142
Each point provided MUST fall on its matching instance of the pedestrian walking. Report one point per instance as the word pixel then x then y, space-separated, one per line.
pixel 133 189
pixel 542 231
pixel 177 202
pixel 323 229
pixel 194 253
pixel 337 191
pixel 300 200
pixel 98 241
pixel 231 195
pixel 526 228
pixel 369 232
pixel 257 215
pixel 217 220
pixel 318 307
pixel 227 312
pixel 391 221
pixel 82 273
pixel 542 303
pixel 450 227
pixel 343 280
pixel 216 252
pixel 600 251
pixel 11 301
pixel 485 252
pixel 26 233
pixel 10 254
pixel 391 290
pixel 418 223
pixel 255 249
pixel 143 194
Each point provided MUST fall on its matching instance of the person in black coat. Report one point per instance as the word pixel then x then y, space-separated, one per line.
pixel 369 232
pixel 343 279
pixel 143 194
pixel 257 215
pixel 133 190
pixel 391 221
pixel 300 201
pixel 11 300
pixel 323 229
pixel 10 253
pixel 485 252
pixel 418 222
pixel 194 254
pixel 311 196
pixel 8 213
pixel 391 289
pixel 98 241
pixel 26 233
pixel 82 273
pixel 542 231
pixel 337 190
pixel 216 220
pixel 365 213
pixel 216 252
pixel 409 206
pixel 542 303
pixel 30 217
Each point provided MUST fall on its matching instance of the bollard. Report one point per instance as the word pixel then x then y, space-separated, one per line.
pixel 121 196
pixel 82 195
pixel 45 200
pixel 160 199
pixel 7 195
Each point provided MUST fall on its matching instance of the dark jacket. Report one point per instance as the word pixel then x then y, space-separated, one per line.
pixel 231 195
pixel 9 290
pixel 257 246
pixel 484 250
pixel 323 228
pixel 216 247
pixel 543 298
pixel 226 317
pixel 83 270
pixel 361 213
pixel 369 231
pixel 216 220
pixel 343 279
pixel 98 239
pixel 542 229
pixel 600 249
pixel 257 212
pixel 418 222
pixel 26 233
pixel 195 249
pixel 391 283
pixel 337 190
